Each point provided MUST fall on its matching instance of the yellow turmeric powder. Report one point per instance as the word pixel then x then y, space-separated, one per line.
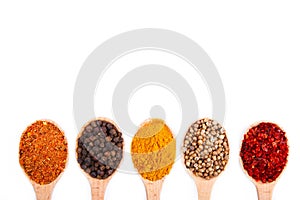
pixel 153 150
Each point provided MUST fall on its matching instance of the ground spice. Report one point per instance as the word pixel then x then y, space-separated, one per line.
pixel 43 152
pixel 100 148
pixel 206 149
pixel 264 152
pixel 153 150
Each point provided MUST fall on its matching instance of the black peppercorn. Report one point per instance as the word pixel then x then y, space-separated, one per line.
pixel 99 148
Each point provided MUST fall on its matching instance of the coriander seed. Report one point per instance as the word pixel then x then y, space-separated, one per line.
pixel 206 149
pixel 264 152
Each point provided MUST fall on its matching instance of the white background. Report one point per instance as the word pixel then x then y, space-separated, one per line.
pixel 255 46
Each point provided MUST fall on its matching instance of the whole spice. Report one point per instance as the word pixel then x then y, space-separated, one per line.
pixel 153 150
pixel 100 148
pixel 264 152
pixel 43 152
pixel 206 149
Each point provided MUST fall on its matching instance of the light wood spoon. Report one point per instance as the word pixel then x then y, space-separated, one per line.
pixel 204 186
pixel 264 190
pixel 44 192
pixel 153 188
pixel 98 186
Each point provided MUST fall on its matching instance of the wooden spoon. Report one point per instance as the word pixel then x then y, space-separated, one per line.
pixel 153 188
pixel 98 186
pixel 204 186
pixel 44 192
pixel 264 190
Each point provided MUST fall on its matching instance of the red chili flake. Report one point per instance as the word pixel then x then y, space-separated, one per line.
pixel 264 152
pixel 43 152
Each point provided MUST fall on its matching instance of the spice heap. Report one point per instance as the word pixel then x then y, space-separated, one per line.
pixel 206 149
pixel 153 150
pixel 43 152
pixel 264 152
pixel 100 148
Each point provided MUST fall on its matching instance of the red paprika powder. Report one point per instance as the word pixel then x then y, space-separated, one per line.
pixel 264 152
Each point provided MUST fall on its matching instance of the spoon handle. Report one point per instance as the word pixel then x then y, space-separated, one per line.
pixel 204 188
pixel 153 189
pixel 264 191
pixel 98 188
pixel 43 192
